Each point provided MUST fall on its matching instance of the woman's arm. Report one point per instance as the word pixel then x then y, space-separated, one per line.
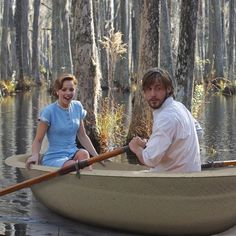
pixel 85 140
pixel 37 143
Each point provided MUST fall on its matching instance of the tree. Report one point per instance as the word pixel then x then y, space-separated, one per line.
pixel 231 43
pixel 165 42
pixel 218 39
pixel 209 50
pixel 26 53
pixel 186 52
pixel 35 45
pixel 148 58
pixel 86 64
pixel 18 18
pixel 4 43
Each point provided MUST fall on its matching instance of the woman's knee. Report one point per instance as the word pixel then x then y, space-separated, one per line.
pixel 82 154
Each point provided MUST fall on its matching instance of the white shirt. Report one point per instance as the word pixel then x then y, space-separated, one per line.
pixel 173 144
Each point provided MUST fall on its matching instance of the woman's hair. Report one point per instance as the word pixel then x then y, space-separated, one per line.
pixel 58 83
pixel 157 74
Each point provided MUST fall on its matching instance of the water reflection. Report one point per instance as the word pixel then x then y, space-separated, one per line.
pixel 220 132
pixel 21 214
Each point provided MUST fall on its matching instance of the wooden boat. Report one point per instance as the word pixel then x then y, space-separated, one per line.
pixel 121 196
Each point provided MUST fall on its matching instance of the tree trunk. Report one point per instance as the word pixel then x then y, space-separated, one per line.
pixel 217 39
pixel 4 44
pixel 86 64
pixel 148 58
pixel 25 37
pixel 165 42
pixel 231 44
pixel 66 51
pixel 186 49
pixel 18 17
pixel 136 21
pixel 56 35
pixel 35 45
pixel 122 67
pixel 209 53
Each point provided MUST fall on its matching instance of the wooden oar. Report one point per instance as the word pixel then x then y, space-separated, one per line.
pixel 64 170
pixel 218 164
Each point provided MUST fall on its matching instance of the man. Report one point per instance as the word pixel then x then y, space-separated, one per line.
pixel 173 144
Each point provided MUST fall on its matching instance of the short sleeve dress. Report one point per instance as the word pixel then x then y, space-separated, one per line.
pixel 63 125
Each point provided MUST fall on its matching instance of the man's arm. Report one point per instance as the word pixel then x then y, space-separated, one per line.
pixel 137 145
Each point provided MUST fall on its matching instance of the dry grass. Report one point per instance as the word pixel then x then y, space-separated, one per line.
pixel 111 127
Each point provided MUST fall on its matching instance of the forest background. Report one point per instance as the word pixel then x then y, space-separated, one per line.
pixel 109 44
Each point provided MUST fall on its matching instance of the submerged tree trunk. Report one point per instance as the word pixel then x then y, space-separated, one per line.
pixel 35 45
pixel 86 64
pixel 186 51
pixel 4 42
pixel 148 58
pixel 231 44
pixel 165 42
pixel 218 39
pixel 20 74
pixel 26 54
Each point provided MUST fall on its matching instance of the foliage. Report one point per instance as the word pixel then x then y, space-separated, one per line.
pixel 7 87
pixel 198 99
pixel 200 63
pixel 115 49
pixel 114 44
pixel 110 120
pixel 111 127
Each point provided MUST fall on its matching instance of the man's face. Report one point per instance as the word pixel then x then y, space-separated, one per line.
pixel 156 94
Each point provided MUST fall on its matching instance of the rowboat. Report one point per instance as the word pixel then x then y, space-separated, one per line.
pixel 127 197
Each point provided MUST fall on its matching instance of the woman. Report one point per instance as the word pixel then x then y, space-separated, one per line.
pixel 61 121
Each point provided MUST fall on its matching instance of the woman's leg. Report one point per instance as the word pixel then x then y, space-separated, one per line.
pixel 80 155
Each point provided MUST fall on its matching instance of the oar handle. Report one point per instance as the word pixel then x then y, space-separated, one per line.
pixel 101 157
pixel 218 164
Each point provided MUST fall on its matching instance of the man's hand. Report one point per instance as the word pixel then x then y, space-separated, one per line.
pixel 137 145
pixel 137 142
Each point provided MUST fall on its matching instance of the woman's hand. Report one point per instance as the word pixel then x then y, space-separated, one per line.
pixel 34 159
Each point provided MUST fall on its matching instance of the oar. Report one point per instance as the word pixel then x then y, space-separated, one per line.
pixel 217 164
pixel 64 170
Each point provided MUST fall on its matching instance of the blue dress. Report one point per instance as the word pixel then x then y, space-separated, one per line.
pixel 63 125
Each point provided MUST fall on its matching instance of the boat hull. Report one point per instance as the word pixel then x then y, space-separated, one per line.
pixel 156 203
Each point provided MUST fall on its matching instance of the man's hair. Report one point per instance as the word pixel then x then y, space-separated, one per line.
pixel 157 74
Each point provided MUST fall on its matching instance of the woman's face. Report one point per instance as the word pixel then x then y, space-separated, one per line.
pixel 66 93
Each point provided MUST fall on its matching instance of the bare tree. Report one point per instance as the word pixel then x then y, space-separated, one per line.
pixel 4 43
pixel 86 64
pixel 218 39
pixel 231 43
pixel 165 41
pixel 35 45
pixel 148 58
pixel 18 18
pixel 26 53
pixel 186 50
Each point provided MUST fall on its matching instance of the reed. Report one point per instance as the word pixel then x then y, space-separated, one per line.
pixel 111 125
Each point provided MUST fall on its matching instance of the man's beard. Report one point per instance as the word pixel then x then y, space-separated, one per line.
pixel 160 102
pixel 155 106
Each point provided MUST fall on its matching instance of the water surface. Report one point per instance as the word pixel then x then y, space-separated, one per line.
pixel 22 214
